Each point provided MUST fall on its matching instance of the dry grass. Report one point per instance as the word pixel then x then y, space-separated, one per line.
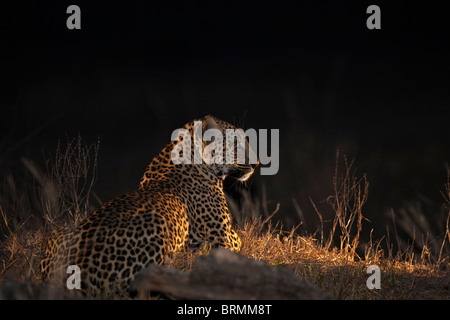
pixel 335 270
pixel 69 184
pixel 331 261
pixel 59 197
pixel 335 260
pixel 338 272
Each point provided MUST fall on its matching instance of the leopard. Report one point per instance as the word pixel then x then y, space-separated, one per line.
pixel 177 205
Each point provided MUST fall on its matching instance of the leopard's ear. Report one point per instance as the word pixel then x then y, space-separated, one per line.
pixel 209 122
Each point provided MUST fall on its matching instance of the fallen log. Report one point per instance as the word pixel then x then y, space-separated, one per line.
pixel 225 275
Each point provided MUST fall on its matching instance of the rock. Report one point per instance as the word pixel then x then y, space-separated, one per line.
pixel 14 290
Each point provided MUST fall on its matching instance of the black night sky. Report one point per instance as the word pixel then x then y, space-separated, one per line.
pixel 138 70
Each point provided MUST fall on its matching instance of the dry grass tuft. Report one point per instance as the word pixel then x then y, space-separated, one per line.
pixel 61 196
pixel 68 186
pixel 334 271
pixel 332 262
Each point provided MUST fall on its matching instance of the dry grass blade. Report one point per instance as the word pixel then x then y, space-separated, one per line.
pixel 272 214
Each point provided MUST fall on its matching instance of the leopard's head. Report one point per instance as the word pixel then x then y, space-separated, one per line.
pixel 218 146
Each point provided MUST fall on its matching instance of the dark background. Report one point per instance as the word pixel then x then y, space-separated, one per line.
pixel 138 70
